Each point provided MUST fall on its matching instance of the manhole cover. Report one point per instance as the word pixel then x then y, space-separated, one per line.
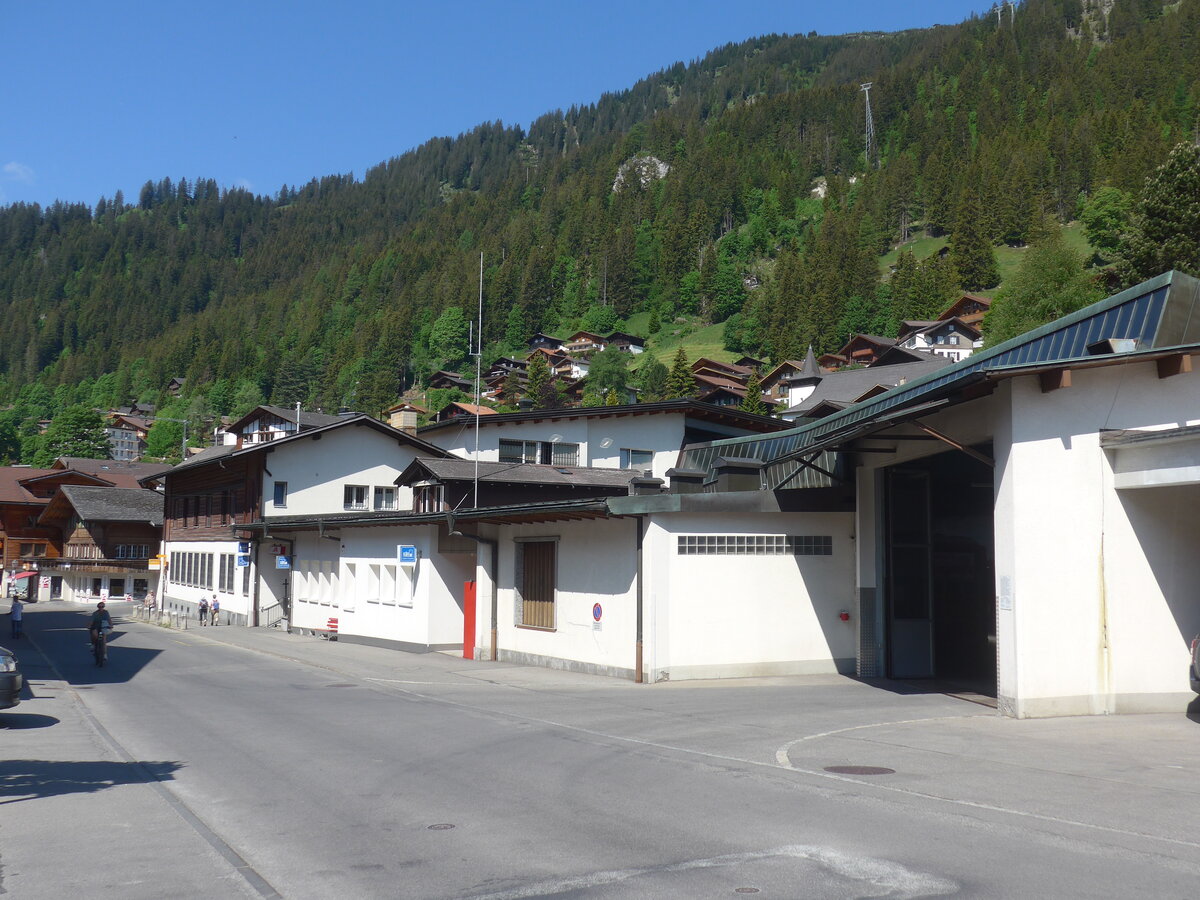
pixel 860 770
pixel 341 685
pixel 444 826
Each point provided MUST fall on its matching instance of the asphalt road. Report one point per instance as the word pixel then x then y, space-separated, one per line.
pixel 232 763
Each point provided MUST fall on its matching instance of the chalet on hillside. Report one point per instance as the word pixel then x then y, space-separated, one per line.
pixel 270 423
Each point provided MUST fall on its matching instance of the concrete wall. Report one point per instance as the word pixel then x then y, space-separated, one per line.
pixel 732 615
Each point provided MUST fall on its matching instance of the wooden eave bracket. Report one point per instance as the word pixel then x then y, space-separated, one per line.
pixel 1178 364
pixel 971 452
pixel 1055 379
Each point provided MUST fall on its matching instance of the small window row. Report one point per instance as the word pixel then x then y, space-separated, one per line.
pixel 755 545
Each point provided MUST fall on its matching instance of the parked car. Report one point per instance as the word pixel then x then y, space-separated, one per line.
pixel 10 680
pixel 1194 671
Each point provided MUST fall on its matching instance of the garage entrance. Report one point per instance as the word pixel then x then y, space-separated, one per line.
pixel 940 571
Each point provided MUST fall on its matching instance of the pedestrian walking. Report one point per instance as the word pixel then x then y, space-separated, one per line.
pixel 203 610
pixel 16 614
pixel 216 609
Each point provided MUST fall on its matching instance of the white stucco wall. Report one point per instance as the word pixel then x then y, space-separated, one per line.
pixel 733 615
pixel 1098 580
pixel 174 595
pixel 360 580
pixel 317 471
pixel 596 563
pixel 600 439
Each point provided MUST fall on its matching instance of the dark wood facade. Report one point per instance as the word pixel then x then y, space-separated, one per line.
pixel 206 502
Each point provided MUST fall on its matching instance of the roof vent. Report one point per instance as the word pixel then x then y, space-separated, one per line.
pixel 1112 345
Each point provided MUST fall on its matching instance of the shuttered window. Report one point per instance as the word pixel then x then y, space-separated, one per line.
pixel 536 573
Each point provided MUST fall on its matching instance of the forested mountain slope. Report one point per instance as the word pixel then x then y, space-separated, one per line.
pixel 335 292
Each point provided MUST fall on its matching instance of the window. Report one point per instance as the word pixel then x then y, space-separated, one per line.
pixel 941 339
pixel 429 498
pixel 545 453
pixel 280 499
pixel 385 498
pixel 536 569
pixel 636 459
pixel 355 496
pixel 954 339
pixel 33 549
pixel 754 545
pixel 132 551
pixel 225 573
pixel 518 451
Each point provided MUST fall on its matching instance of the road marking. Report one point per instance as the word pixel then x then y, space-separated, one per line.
pixel 886 879
pixel 402 681
pixel 817 773
pixel 256 882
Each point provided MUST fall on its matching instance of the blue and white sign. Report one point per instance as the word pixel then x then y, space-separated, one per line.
pixel 283 562
pixel 408 554
pixel 243 560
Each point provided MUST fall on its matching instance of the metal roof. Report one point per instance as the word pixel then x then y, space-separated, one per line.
pixel 1163 312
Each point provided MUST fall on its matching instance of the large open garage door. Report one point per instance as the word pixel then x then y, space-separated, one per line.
pixel 939 572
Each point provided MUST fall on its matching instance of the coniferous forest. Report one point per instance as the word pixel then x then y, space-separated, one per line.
pixel 345 291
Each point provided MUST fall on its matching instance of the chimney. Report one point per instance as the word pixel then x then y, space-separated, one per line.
pixel 644 485
pixel 404 419
pixel 686 481
pixel 737 473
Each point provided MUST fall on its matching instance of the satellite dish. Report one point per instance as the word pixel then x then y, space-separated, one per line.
pixel 555 438
pixel 606 443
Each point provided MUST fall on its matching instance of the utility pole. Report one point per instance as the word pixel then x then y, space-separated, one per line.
pixel 872 150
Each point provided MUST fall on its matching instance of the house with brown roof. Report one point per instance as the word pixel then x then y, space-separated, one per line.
pixel 109 534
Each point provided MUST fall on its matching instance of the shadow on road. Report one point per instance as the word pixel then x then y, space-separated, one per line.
pixel 31 779
pixel 1193 710
pixel 10 721
pixel 62 635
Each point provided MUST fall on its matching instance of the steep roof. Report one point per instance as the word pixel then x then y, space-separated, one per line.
pixel 1160 318
pixel 693 409
pixel 847 385
pixel 307 419
pixel 518 473
pixel 211 455
pixel 103 504
pixel 122 474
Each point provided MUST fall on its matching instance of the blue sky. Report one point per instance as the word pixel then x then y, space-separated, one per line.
pixel 101 96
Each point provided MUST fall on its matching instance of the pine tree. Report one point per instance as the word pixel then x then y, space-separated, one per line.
pixel 971 252
pixel 540 380
pixel 611 398
pixel 680 383
pixel 1165 232
pixel 651 380
pixel 753 402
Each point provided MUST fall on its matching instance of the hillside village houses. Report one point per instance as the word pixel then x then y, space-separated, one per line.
pixel 1020 524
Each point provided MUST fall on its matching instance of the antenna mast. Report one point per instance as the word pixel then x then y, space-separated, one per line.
pixel 872 150
pixel 478 371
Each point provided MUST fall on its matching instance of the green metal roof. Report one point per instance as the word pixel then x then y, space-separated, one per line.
pixel 1161 313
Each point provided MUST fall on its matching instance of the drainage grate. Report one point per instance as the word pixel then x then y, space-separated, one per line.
pixel 444 826
pixel 860 770
pixel 745 890
pixel 341 685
